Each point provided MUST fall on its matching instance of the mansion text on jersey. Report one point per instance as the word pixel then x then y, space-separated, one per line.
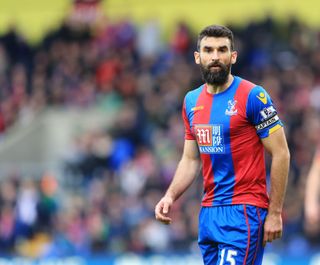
pixel 211 149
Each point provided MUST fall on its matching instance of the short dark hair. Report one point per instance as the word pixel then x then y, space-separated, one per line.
pixel 216 31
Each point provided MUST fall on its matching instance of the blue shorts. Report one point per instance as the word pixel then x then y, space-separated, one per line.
pixel 232 234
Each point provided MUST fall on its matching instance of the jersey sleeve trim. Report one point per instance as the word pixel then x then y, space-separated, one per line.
pixel 267 122
pixel 261 112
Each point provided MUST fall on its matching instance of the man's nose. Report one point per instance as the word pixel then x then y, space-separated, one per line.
pixel 215 56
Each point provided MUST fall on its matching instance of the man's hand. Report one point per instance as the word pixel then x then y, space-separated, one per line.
pixel 272 228
pixel 162 210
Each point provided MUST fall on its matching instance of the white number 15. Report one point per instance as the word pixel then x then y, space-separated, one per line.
pixel 230 256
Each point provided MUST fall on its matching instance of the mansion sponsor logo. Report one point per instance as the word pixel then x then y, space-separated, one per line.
pixel 210 138
pixel 211 150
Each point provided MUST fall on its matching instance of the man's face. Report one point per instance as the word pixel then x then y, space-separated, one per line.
pixel 215 59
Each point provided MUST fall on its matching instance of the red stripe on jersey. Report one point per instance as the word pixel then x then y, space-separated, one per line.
pixel 247 154
pixel 202 116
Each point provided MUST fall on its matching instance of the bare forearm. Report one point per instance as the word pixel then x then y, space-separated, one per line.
pixel 279 179
pixel 185 174
pixel 313 185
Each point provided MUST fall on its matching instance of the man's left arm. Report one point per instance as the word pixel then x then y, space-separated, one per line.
pixel 276 145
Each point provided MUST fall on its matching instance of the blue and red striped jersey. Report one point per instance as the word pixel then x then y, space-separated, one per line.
pixel 227 127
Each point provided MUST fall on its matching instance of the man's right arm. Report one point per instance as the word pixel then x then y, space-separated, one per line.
pixel 187 170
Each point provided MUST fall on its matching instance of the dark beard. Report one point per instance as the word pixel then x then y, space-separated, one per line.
pixel 216 78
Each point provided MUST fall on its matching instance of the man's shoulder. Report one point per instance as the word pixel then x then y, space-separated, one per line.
pixel 194 93
pixel 196 90
pixel 251 90
pixel 246 84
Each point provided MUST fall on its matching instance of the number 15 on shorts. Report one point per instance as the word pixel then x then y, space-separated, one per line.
pixel 228 257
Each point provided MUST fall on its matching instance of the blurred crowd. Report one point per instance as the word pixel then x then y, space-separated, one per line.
pixel 114 176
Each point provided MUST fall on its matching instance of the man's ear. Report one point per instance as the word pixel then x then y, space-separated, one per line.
pixel 234 56
pixel 197 57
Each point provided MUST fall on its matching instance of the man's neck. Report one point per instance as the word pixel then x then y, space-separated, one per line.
pixel 213 89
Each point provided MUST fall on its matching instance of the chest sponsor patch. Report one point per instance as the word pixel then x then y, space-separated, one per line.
pixel 210 138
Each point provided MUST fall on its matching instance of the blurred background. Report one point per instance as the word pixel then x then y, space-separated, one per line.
pixel 91 130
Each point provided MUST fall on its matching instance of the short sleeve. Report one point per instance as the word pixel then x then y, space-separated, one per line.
pixel 262 113
pixel 188 135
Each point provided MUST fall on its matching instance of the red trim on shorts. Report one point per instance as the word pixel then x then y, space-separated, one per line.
pixel 248 241
pixel 259 230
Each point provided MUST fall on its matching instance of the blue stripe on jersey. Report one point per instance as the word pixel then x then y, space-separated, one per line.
pixel 222 163
pixel 191 101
